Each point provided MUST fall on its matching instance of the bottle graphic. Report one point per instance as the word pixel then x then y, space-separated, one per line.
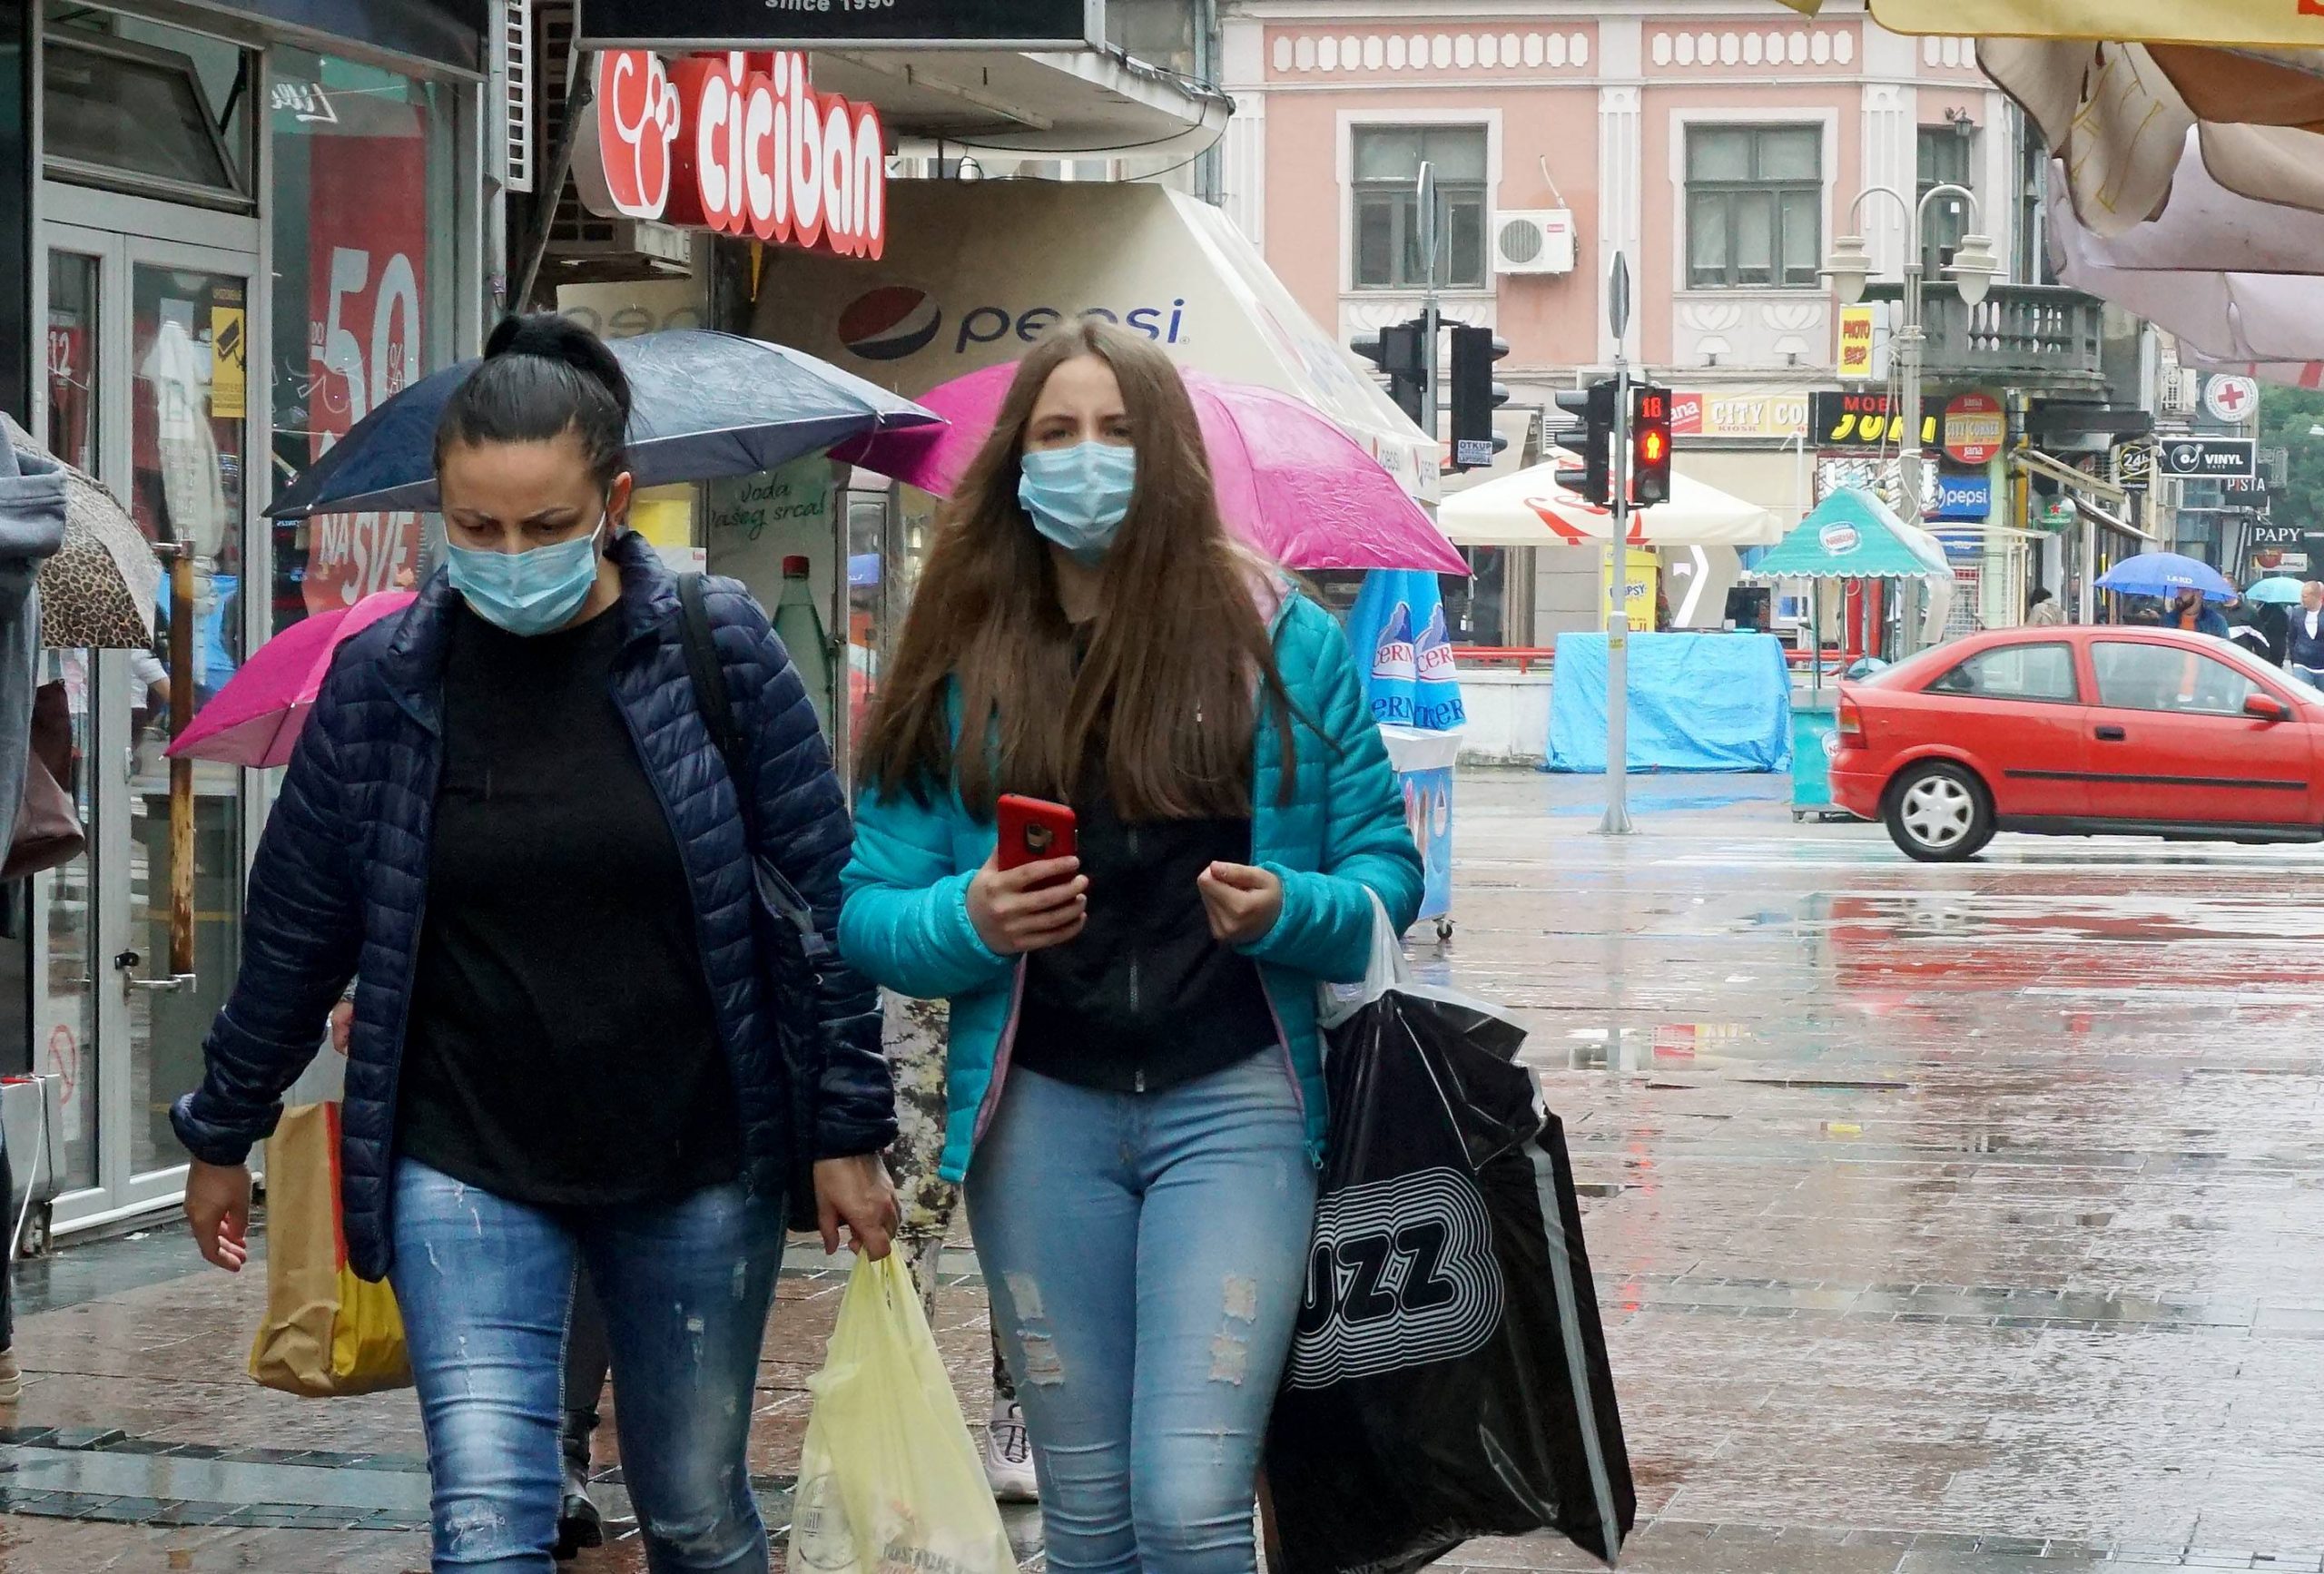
pixel 1392 658
pixel 800 626
pixel 1436 703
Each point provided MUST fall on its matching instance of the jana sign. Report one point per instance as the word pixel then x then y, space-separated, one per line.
pixel 1975 429
pixel 739 143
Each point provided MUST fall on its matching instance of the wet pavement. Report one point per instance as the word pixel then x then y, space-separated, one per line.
pixel 1947 1220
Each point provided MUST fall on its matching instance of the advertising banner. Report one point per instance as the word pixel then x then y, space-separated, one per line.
pixel 856 23
pixel 1846 421
pixel 367 222
pixel 1739 415
pixel 1856 337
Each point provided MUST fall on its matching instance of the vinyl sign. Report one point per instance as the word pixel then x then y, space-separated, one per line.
pixel 741 143
pixel 2216 457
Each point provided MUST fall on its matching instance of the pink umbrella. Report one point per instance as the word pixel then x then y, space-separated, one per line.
pixel 1289 481
pixel 255 719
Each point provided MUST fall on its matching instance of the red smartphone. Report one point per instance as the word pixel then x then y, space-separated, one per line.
pixel 1033 830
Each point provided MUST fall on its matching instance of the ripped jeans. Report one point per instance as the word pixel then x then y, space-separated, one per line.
pixel 1145 1254
pixel 484 1284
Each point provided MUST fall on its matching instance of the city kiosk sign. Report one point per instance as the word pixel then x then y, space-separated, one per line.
pixel 1012 25
pixel 737 143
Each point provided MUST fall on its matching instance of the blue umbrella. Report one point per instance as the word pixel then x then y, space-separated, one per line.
pixel 2282 590
pixel 2165 574
pixel 705 405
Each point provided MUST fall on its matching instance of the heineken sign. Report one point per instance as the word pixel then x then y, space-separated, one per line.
pixel 683 24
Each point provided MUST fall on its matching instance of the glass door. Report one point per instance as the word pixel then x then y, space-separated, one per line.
pixel 149 390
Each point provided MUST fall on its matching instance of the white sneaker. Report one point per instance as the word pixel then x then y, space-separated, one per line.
pixel 1008 1455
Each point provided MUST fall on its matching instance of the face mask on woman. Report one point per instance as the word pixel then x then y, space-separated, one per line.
pixel 532 591
pixel 1078 496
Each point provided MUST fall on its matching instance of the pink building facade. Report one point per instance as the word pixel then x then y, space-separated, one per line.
pixel 1720 147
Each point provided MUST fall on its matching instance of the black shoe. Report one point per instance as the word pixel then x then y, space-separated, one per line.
pixel 578 1523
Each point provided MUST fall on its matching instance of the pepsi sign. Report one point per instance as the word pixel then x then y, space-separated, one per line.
pixel 895 321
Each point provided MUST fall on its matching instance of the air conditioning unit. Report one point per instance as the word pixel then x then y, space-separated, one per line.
pixel 1533 240
pixel 2182 387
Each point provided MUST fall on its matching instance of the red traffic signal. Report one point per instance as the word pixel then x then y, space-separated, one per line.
pixel 1650 446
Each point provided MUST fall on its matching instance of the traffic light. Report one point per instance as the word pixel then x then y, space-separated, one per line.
pixel 1397 351
pixel 1649 444
pixel 1593 407
pixel 1475 396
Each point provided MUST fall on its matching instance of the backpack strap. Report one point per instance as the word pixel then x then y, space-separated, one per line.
pixel 709 675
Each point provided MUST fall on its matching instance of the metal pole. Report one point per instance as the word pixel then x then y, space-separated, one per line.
pixel 181 619
pixel 1617 821
pixel 1430 239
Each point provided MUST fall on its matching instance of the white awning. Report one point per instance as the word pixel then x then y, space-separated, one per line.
pixel 976 271
pixel 1530 509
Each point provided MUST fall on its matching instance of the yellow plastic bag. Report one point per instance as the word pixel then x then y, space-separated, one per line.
pixel 325 1331
pixel 888 1479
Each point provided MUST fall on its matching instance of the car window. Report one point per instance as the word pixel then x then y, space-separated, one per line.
pixel 2013 672
pixel 2160 677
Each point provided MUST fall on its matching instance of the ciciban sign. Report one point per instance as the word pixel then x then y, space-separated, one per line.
pixel 740 143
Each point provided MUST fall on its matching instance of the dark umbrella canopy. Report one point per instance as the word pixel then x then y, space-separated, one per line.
pixel 704 405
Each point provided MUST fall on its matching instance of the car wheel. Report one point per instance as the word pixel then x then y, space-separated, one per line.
pixel 1939 812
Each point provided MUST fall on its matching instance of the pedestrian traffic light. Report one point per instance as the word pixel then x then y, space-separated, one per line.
pixel 1593 407
pixel 1649 444
pixel 1397 351
pixel 1475 396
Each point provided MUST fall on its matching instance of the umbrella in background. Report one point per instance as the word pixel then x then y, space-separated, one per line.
pixel 256 718
pixel 1530 509
pixel 705 405
pixel 98 590
pixel 2239 23
pixel 2164 574
pixel 1289 481
pixel 2282 590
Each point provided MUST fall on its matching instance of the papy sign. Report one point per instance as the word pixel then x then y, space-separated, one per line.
pixel 736 142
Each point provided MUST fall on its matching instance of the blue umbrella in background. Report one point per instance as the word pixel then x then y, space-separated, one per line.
pixel 2165 574
pixel 704 405
pixel 2282 590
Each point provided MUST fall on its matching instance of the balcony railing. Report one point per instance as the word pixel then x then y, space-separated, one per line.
pixel 2041 334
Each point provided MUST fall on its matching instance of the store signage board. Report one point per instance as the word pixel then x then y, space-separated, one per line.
pixel 2133 466
pixel 1739 415
pixel 678 24
pixel 1975 429
pixel 1850 421
pixel 2215 459
pixel 1963 497
pixel 737 143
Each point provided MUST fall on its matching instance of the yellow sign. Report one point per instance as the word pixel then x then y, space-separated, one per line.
pixel 230 356
pixel 1642 576
pixel 1856 341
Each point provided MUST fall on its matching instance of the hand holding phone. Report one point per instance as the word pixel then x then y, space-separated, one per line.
pixel 1030 894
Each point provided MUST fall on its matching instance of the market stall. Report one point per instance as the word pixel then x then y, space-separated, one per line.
pixel 1854 538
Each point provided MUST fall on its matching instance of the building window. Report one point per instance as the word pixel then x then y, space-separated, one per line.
pixel 1387 206
pixel 1755 207
pixel 1946 156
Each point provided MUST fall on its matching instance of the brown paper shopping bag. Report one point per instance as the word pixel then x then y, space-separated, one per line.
pixel 326 1332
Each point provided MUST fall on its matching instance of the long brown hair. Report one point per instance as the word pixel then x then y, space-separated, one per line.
pixel 1178 658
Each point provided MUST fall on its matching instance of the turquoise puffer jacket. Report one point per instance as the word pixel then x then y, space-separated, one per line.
pixel 905 918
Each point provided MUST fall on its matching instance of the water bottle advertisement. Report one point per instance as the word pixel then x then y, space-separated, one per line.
pixel 1397 631
pixel 774 532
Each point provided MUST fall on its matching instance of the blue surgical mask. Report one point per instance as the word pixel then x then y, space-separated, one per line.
pixel 527 593
pixel 1078 496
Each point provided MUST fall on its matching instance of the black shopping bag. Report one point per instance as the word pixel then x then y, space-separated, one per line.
pixel 1449 1377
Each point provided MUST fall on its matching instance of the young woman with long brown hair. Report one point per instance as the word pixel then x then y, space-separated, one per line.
pixel 1135 1085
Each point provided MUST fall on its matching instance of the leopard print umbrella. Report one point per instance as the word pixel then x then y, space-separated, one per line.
pixel 98 590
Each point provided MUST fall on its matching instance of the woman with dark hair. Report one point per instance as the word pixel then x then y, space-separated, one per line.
pixel 507 823
pixel 1135 1089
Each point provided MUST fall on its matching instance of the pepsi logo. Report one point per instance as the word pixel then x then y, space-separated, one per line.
pixel 890 322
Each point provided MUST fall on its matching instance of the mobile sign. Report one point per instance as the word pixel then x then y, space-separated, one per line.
pixel 2214 458
pixel 1866 420
pixel 854 23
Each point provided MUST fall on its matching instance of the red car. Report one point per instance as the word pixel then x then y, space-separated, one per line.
pixel 2081 731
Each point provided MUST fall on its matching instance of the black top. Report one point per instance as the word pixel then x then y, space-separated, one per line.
pixel 1144 999
pixel 562 1049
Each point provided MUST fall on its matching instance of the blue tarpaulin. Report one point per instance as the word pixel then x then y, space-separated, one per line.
pixel 1698 702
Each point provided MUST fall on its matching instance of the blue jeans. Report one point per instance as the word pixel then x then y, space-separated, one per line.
pixel 484 1284
pixel 1145 1254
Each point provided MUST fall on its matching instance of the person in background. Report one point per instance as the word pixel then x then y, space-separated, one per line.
pixel 2190 611
pixel 508 822
pixel 2041 609
pixel 1135 1084
pixel 2304 637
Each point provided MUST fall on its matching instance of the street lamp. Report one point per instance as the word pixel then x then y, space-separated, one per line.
pixel 1972 271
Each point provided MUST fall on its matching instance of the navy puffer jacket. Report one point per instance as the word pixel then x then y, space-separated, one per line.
pixel 339 888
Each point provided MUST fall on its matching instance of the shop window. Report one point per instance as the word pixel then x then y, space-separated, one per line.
pixel 1947 154
pixel 189 137
pixel 364 298
pixel 1387 160
pixel 1755 207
